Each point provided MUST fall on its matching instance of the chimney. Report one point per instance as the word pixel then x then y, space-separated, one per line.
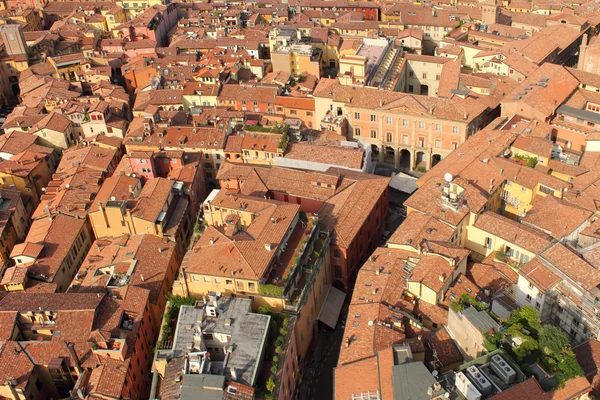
pixel 377 271
pixel 233 373
pixel 212 241
pixel 442 278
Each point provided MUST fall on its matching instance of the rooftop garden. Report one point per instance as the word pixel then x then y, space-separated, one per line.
pixel 293 255
pixel 500 256
pixel 528 341
pixel 466 300
pixel 279 128
pixel 169 321
pixel 309 271
pixel 279 329
pixel 526 160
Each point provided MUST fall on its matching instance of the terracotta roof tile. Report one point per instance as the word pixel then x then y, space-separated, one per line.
pixel 540 275
pixel 566 218
pixel 526 237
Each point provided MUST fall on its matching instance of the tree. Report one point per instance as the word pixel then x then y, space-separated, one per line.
pixel 554 341
pixel 567 369
pixel 528 318
pixel 528 343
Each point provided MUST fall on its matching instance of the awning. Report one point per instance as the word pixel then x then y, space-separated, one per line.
pixel 330 312
pixel 404 183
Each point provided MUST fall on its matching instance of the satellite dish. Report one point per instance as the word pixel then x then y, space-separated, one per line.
pixel 448 177
pixel 435 373
pixel 370 323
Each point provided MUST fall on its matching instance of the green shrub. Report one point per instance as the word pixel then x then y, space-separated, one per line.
pixel 270 290
pixel 265 309
pixel 499 256
pixel 271 384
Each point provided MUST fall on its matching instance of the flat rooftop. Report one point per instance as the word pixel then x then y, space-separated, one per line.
pixel 235 318
pixel 373 51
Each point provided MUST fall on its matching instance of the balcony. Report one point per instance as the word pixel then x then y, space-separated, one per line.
pixel 285 274
pixel 114 348
pixel 297 295
pixel 504 257
pixel 295 247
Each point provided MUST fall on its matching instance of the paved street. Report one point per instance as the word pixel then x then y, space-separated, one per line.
pixel 317 382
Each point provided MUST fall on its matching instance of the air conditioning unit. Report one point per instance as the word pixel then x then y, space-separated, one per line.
pixel 503 370
pixel 466 387
pixel 479 380
pixel 211 311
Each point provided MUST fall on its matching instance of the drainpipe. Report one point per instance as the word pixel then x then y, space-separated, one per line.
pixel 71 349
pixel 13 391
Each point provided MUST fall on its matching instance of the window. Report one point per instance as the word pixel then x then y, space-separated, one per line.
pixel 537 305
pixel 546 189
pixel 293 112
pixel 207 280
pixel 373 118
pixel 251 286
pixel 309 113
pixel 374 134
pixel 228 282
pixel 421 125
pixel 388 120
pixel 240 285
pixel 530 285
pixel 338 272
pixel 438 127
pixel 523 189
pixel 528 298
pixel 404 122
pixel 217 281
pixel 410 88
pixel 438 143
pixel 488 243
pixel 454 145
pixel 388 137
pixel 411 74
pixel 405 139
pixel 424 75
pixel 336 253
pixel 455 130
pixel 356 115
pixel 356 131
